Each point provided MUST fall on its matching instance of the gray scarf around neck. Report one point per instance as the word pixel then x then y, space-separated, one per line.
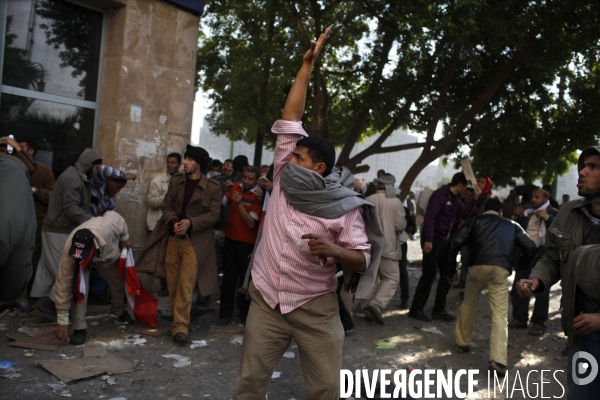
pixel 331 197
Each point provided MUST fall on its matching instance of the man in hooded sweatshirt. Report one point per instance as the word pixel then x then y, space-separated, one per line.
pixel 69 207
pixel 314 221
pixel 573 254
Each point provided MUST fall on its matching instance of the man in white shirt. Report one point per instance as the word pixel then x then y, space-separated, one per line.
pixel 158 188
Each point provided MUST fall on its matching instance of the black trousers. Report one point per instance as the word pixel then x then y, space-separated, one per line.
pixel 403 265
pixel 521 305
pixel 430 269
pixel 235 264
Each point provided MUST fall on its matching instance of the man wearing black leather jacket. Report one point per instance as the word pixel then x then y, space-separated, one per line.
pixel 493 240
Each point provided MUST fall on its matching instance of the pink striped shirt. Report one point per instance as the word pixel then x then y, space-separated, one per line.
pixel 284 270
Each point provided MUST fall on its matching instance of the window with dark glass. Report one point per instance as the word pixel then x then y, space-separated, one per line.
pixel 50 71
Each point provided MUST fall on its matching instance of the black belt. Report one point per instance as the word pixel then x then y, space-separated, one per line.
pixel 180 237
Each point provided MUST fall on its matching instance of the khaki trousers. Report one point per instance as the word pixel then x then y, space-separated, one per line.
pixel 182 270
pixel 318 332
pixel 494 278
pixel 116 288
pixel 386 284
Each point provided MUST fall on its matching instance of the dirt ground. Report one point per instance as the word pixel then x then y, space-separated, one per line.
pixel 212 371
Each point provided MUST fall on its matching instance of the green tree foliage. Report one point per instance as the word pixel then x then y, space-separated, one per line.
pixel 487 71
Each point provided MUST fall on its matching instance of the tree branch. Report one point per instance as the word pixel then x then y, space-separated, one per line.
pixel 440 104
pixel 361 119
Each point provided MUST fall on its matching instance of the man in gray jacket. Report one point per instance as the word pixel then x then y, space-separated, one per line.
pixel 572 253
pixel 68 208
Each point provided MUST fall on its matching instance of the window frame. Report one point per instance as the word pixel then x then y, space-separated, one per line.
pixel 94 105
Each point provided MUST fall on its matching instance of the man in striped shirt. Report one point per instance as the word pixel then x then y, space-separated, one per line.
pixel 293 272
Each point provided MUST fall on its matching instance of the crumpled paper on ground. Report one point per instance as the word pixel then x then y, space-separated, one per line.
pixel 181 360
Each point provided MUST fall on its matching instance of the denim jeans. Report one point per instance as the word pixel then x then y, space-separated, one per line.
pixel 589 343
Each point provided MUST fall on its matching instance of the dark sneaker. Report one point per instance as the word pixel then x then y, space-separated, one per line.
pixel 464 349
pixel 499 368
pixel 24 307
pixel 404 305
pixel 420 315
pixel 126 318
pixel 181 338
pixel 443 315
pixel 517 324
pixel 223 321
pixel 376 314
pixel 78 337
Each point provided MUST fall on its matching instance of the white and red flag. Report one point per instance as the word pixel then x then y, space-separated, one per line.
pixel 143 307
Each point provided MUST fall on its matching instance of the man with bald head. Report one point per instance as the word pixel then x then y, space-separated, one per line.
pixel 535 220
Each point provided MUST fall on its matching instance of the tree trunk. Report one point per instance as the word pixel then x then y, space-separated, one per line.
pixel 418 166
pixel 258 147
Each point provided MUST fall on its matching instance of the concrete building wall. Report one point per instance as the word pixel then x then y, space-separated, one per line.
pixel 147 96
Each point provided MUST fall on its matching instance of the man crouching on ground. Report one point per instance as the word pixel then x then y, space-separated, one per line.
pixel 314 221
pixel 96 241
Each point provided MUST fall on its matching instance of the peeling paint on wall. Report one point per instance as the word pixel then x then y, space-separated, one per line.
pixel 136 113
pixel 145 148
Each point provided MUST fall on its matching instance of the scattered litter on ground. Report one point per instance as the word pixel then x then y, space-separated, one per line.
pixel 79 368
pixel 159 330
pixel 181 360
pixel 432 329
pixel 11 374
pixel 182 363
pixel 60 389
pixel 65 357
pixel 7 364
pixel 238 340
pixel 136 342
pixel 46 341
pixel 275 375
pixel 385 346
pixel 289 354
pixel 28 355
pixel 118 398
pixel 32 332
pixel 111 381
pixel 94 351
pixel 94 323
pixel 198 343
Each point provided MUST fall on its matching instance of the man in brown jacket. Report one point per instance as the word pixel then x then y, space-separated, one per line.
pixel 181 246
pixel 42 182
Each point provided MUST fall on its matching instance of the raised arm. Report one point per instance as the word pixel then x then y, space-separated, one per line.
pixel 296 100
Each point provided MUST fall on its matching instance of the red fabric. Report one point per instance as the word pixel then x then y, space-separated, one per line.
pixel 487 189
pixel 235 228
pixel 143 307
pixel 83 267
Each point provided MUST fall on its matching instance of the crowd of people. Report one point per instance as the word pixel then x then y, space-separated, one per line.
pixel 300 244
